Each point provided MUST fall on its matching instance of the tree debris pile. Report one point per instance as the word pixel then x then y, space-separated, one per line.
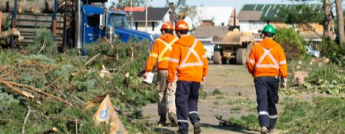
pixel 323 76
pixel 43 90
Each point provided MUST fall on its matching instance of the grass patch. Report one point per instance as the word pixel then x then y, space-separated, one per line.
pixel 244 104
pixel 216 92
pixel 203 95
pixel 236 108
pixel 220 97
pixel 325 115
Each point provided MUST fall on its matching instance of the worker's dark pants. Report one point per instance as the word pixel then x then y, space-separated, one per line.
pixel 267 98
pixel 187 96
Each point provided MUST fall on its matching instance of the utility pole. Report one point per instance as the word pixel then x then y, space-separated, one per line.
pixel 131 14
pixel 147 1
pixel 172 12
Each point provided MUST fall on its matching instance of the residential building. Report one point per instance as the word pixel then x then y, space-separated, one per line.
pixel 253 18
pixel 156 16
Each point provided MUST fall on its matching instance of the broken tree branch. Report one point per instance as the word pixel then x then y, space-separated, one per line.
pixel 53 82
pixel 76 126
pixel 132 53
pixel 37 90
pixel 92 59
pixel 43 46
pixel 20 92
pixel 25 120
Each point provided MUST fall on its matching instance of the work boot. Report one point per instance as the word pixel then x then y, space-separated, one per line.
pixel 197 128
pixel 173 119
pixel 162 120
pixel 263 130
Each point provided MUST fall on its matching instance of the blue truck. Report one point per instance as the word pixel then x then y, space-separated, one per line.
pixel 97 22
pixel 78 24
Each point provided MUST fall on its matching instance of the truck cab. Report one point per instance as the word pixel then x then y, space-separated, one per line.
pixel 98 22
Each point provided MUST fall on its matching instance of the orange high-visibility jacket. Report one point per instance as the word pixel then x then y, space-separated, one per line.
pixel 161 49
pixel 188 58
pixel 267 58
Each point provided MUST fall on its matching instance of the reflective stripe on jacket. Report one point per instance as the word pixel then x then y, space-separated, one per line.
pixel 188 59
pixel 267 58
pixel 161 49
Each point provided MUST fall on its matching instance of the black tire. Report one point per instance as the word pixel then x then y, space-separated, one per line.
pixel 241 56
pixel 217 58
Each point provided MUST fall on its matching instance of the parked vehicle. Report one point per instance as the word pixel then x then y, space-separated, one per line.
pixel 312 52
pixel 80 23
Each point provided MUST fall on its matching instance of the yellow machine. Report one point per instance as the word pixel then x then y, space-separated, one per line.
pixel 233 47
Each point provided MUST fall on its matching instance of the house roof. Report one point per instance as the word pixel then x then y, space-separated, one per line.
pixel 153 14
pixel 134 9
pixel 270 11
pixel 218 15
pixel 249 15
pixel 209 31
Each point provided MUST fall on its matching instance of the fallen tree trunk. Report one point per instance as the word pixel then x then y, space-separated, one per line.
pixel 30 6
pixel 10 33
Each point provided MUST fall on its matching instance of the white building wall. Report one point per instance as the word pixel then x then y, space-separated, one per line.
pixel 251 26
pixel 157 26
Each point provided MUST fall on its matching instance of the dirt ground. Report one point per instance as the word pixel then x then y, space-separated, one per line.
pixel 236 98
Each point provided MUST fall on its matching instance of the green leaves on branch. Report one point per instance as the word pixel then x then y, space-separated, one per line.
pixel 292 43
pixel 303 14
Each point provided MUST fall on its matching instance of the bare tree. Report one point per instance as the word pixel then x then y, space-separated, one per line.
pixel 328 25
pixel 340 18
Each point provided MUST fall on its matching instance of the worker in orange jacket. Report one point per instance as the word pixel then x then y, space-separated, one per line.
pixel 266 63
pixel 160 51
pixel 189 61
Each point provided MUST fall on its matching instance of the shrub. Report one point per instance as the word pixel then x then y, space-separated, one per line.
pixel 292 43
pixel 333 51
